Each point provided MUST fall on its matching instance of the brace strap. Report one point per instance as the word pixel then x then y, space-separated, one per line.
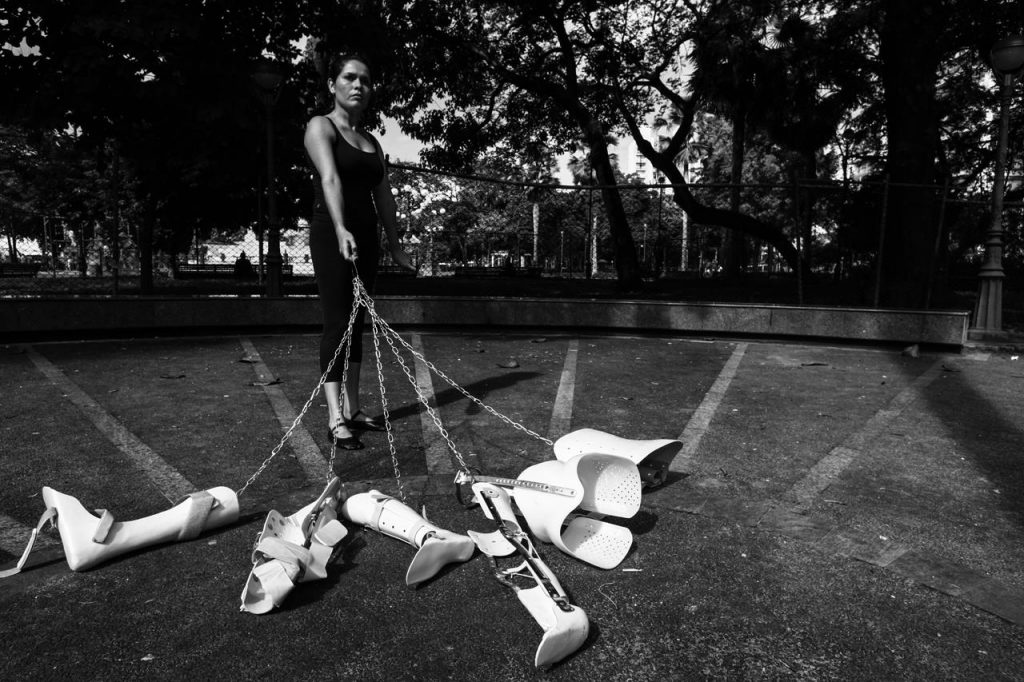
pixel 103 529
pixel 202 504
pixel 282 550
pixel 276 578
pixel 463 477
pixel 48 516
pixel 330 533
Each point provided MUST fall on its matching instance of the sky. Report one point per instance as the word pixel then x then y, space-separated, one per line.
pixel 398 145
pixel 402 148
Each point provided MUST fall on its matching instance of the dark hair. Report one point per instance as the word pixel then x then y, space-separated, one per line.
pixel 338 63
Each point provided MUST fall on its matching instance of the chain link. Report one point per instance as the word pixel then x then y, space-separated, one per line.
pixel 312 396
pixel 368 302
pixel 381 328
pixel 392 333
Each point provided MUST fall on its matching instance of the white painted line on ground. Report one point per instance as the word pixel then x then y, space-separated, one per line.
pixel 561 412
pixel 439 460
pixel 829 467
pixel 166 478
pixel 302 444
pixel 14 536
pixel 701 418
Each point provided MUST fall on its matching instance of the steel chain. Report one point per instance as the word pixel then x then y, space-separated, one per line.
pixel 368 303
pixel 381 327
pixel 392 333
pixel 431 412
pixel 312 396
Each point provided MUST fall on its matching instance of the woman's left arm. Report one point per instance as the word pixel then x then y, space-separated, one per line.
pixel 384 200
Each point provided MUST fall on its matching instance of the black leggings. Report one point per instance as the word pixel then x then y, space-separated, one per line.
pixel 334 282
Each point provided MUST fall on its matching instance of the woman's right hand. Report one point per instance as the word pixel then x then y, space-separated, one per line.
pixel 403 260
pixel 346 244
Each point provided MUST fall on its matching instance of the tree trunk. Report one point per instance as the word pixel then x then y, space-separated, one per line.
pixel 806 201
pixel 626 265
pixel 12 245
pixel 83 261
pixel 909 50
pixel 732 242
pixel 697 212
pixel 146 230
pixel 731 220
pixel 115 211
pixel 535 258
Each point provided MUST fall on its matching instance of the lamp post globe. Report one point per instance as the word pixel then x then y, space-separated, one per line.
pixel 1007 57
pixel 267 78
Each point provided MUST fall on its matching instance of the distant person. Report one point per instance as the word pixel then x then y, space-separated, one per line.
pixel 243 267
pixel 351 191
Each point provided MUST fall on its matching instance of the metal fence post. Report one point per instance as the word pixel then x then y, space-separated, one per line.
pixel 881 240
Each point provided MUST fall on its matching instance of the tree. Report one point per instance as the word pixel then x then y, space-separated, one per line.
pixel 530 72
pixel 640 53
pixel 160 87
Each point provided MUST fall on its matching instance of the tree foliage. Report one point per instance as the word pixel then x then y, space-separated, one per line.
pixel 810 89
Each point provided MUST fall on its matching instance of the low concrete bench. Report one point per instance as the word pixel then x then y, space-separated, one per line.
pixel 482 271
pixel 219 271
pixel 19 269
pixel 394 271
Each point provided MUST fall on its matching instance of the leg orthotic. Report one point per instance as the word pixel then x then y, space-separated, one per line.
pixel 605 485
pixel 652 457
pixel 565 625
pixel 90 540
pixel 437 547
pixel 293 549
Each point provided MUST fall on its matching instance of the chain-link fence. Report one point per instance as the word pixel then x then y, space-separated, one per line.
pixel 457 226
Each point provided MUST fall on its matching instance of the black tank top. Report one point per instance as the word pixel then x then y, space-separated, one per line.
pixel 359 173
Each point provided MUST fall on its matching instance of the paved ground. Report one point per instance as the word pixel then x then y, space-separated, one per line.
pixel 836 512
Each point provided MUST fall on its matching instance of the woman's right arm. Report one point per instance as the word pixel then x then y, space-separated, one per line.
pixel 319 141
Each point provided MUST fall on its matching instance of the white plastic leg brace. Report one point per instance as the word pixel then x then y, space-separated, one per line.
pixel 293 549
pixel 652 457
pixel 437 547
pixel 90 540
pixel 601 484
pixel 565 626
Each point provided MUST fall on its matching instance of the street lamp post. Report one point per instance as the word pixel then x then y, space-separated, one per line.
pixel 268 77
pixel 1008 60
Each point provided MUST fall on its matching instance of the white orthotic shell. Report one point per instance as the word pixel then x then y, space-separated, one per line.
pixel 656 454
pixel 78 526
pixel 293 549
pixel 389 516
pixel 603 484
pixel 564 630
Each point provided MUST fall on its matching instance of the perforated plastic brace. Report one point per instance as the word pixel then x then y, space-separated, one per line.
pixel 399 523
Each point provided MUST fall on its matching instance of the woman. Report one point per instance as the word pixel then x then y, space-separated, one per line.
pixel 351 192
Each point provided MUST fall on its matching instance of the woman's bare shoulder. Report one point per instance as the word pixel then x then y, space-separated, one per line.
pixel 320 124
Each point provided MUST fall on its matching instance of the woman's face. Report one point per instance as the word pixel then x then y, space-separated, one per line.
pixel 353 86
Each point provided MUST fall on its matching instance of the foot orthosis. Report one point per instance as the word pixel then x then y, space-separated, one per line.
pixel 293 549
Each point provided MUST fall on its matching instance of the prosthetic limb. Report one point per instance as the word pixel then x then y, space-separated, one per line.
pixel 565 626
pixel 90 540
pixel 293 549
pixel 652 457
pixel 437 547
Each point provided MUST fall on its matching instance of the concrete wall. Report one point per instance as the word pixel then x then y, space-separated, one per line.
pixel 24 318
